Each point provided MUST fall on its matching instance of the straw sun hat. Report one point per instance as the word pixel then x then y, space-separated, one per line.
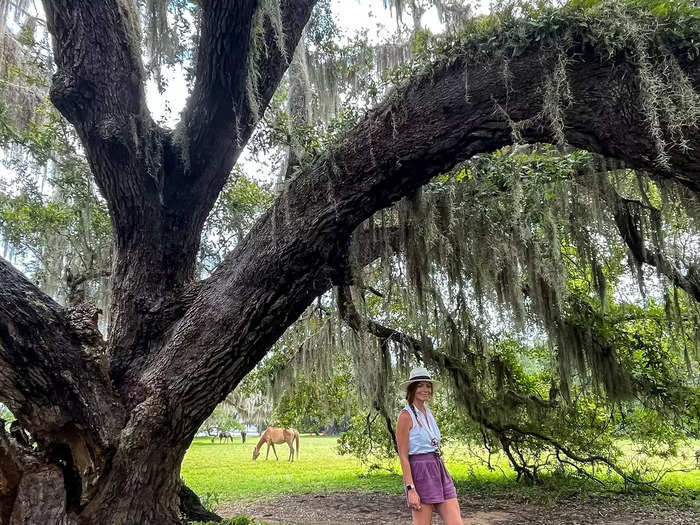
pixel 420 373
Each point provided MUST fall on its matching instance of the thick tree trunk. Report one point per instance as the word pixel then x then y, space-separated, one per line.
pixel 142 487
pixel 91 463
pixel 137 483
pixel 147 493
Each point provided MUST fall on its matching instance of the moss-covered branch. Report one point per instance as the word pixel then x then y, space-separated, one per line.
pixel 627 218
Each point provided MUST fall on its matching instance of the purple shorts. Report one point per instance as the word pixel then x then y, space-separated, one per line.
pixel 433 483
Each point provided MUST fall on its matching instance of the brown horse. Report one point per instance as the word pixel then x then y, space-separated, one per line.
pixel 274 436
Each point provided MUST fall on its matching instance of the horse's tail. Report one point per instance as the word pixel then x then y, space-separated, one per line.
pixel 296 437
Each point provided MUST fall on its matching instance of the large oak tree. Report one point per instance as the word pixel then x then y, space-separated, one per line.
pixel 112 418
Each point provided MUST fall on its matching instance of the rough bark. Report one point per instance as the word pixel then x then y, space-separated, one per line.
pixel 159 185
pixel 128 410
pixel 52 368
pixel 10 474
pixel 32 489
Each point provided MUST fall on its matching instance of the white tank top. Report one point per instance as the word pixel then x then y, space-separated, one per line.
pixel 423 438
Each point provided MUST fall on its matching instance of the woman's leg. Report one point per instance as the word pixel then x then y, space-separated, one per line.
pixel 422 516
pixel 449 511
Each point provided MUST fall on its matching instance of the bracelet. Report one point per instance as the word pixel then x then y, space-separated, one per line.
pixel 410 486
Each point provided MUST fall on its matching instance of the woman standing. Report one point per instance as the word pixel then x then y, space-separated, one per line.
pixel 427 483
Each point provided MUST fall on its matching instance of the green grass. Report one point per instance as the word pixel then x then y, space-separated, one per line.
pixel 225 471
pixel 228 470
pixel 469 472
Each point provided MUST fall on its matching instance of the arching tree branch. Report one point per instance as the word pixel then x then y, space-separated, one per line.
pixel 421 131
pixel 174 364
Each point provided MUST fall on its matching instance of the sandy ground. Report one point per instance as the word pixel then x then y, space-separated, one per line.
pixel 376 508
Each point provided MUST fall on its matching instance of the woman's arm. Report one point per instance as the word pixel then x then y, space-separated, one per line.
pixel 403 427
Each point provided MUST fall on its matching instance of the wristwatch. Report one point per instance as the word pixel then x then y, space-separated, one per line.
pixel 410 486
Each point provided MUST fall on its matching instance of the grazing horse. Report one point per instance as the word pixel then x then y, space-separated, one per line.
pixel 223 436
pixel 274 436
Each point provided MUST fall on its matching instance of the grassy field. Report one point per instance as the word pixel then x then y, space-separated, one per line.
pixel 228 470
pixel 220 472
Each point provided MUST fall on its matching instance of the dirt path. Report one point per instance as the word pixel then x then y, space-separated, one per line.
pixel 376 508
